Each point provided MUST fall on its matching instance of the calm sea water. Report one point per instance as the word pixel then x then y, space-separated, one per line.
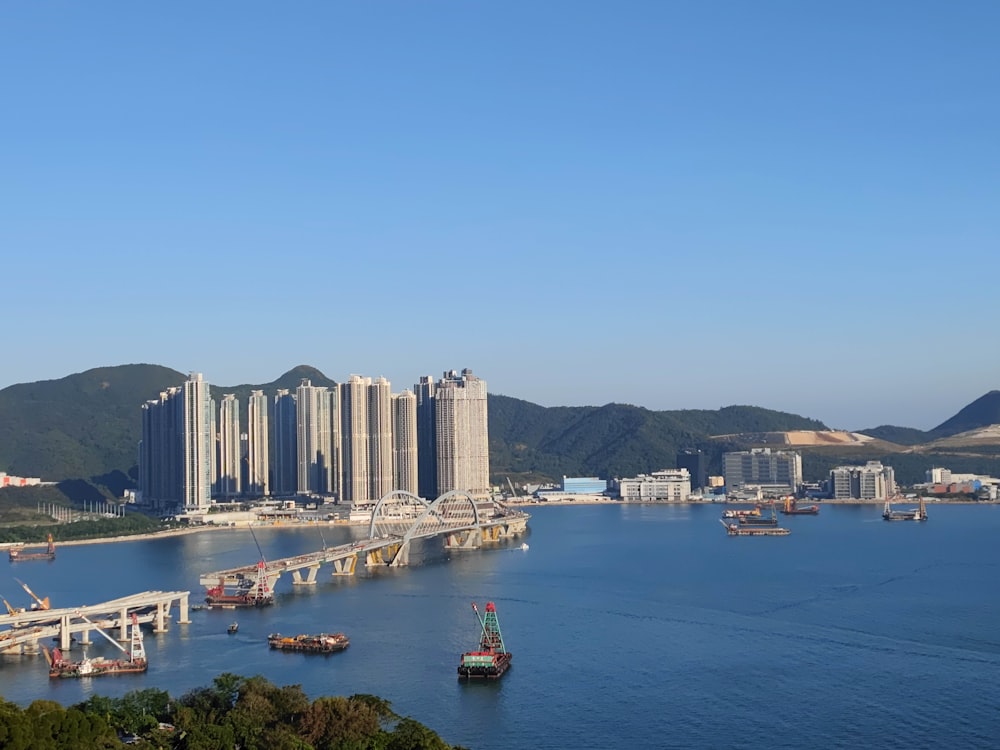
pixel 631 626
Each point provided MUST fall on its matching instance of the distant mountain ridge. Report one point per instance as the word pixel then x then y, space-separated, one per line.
pixel 87 426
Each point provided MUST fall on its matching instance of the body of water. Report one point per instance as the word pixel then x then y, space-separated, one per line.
pixel 631 626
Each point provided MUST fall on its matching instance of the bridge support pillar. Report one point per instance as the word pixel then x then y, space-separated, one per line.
pixel 468 539
pixel 84 639
pixel 272 578
pixel 64 634
pixel 401 557
pixel 345 566
pixel 160 623
pixel 184 616
pixel 374 557
pixel 123 625
pixel 492 533
pixel 310 578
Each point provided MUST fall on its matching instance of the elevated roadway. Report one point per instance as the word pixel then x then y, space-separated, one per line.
pixel 21 632
pixel 397 519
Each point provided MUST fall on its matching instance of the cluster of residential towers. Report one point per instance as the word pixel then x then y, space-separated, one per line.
pixel 354 441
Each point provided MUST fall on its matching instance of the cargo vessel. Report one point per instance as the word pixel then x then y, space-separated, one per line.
pixel 492 659
pixel 792 508
pixel 134 663
pixel 911 514
pixel 19 553
pixel 324 643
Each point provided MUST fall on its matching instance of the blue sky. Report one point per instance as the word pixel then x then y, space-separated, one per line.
pixel 671 204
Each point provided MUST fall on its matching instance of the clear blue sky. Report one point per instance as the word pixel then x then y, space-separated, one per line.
pixel 672 204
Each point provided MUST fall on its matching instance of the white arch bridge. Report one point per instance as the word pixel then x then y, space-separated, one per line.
pixel 398 519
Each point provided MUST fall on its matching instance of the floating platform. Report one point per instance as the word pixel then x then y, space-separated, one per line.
pixel 313 644
pixel 736 530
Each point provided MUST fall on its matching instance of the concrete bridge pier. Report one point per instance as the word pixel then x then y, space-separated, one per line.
pixel 84 639
pixel 345 566
pixel 184 617
pixel 310 578
pixel 64 634
pixel 468 539
pixel 272 579
pixel 401 558
pixel 123 621
pixel 162 613
pixel 492 533
pixel 374 557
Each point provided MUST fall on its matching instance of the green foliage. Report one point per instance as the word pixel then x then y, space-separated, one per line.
pixel 96 529
pixel 83 430
pixel 249 713
pixel 530 442
pixel 82 425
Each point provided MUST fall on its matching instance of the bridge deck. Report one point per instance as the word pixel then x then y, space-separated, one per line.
pixel 25 628
pixel 274 568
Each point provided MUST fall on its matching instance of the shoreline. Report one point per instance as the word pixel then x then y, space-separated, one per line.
pixel 523 506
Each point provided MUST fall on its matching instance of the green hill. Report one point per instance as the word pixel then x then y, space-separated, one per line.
pixel 87 426
pixel 982 412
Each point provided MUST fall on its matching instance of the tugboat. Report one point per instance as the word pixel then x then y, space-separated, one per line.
pixel 492 659
pixel 314 644
pixel 133 664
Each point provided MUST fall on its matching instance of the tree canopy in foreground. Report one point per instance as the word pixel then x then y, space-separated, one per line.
pixel 233 712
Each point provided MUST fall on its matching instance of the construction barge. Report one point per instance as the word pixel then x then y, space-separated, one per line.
pixel 913 514
pixel 134 663
pixel 19 553
pixel 792 509
pixel 734 529
pixel 249 592
pixel 492 659
pixel 312 644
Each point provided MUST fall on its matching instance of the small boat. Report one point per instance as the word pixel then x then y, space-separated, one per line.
pixel 524 546
pixel 233 627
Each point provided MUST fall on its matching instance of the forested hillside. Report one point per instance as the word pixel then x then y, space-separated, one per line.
pixel 87 427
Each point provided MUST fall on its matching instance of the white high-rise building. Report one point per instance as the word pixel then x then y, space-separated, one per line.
pixel 778 471
pixel 873 481
pixel 463 458
pixel 258 450
pixel 404 441
pixel 354 439
pixel 315 459
pixel 380 475
pixel 196 425
pixel 228 482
